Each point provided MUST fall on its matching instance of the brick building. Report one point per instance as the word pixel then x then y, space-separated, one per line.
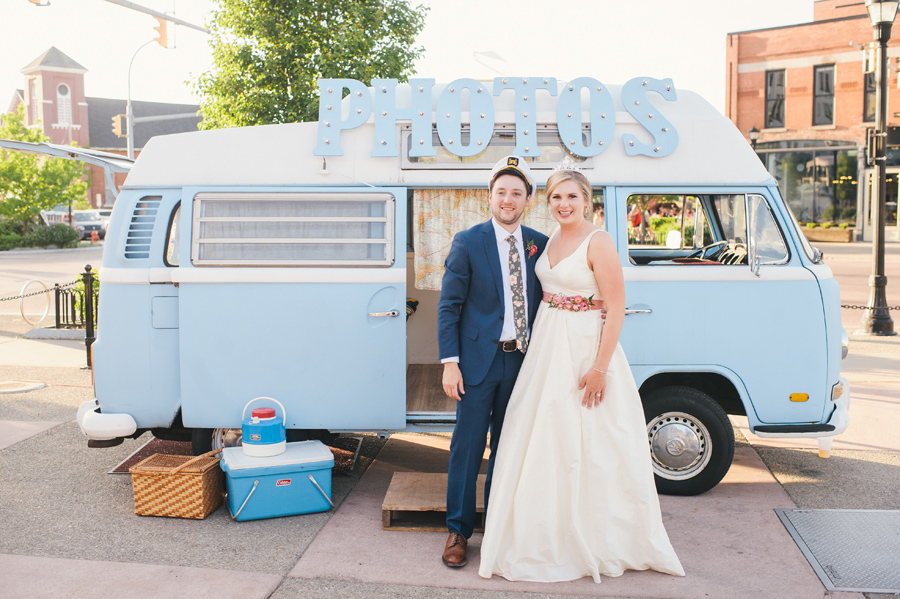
pixel 803 88
pixel 54 96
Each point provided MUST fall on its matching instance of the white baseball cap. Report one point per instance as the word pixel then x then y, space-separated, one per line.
pixel 517 164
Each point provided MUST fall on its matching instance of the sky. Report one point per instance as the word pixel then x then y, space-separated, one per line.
pixel 612 41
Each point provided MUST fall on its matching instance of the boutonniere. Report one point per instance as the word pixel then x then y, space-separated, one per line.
pixel 530 248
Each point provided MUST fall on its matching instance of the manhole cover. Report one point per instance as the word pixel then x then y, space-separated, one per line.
pixel 19 386
pixel 850 550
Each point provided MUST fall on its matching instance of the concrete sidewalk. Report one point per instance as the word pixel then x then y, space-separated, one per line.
pixel 67 528
pixel 54 353
pixel 725 538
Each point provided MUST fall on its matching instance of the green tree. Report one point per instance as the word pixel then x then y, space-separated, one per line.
pixel 268 55
pixel 29 183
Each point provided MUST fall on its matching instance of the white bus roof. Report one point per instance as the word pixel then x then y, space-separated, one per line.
pixel 711 151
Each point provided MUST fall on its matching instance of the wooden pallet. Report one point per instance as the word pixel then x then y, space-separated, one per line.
pixel 418 501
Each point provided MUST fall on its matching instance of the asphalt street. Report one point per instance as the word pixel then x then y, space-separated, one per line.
pixel 58 505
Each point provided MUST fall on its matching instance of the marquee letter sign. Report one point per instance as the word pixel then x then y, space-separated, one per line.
pixel 470 97
pixel 634 96
pixel 481 117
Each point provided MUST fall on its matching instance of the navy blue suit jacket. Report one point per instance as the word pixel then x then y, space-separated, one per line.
pixel 470 311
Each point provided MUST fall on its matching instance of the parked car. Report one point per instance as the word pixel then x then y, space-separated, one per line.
pixel 102 213
pixel 88 221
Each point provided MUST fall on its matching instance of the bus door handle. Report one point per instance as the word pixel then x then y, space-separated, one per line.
pixel 644 311
pixel 391 313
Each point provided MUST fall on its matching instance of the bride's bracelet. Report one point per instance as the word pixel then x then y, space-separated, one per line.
pixel 598 370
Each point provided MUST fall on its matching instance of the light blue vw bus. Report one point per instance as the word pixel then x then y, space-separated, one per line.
pixel 277 261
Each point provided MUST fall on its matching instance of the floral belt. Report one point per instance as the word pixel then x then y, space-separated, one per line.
pixel 574 303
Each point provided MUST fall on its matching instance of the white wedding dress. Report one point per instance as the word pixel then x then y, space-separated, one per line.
pixel 573 492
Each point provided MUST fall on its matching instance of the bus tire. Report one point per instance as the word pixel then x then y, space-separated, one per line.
pixel 204 440
pixel 691 440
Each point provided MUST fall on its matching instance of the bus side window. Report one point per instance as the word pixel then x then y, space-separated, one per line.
pixel 769 244
pixel 173 237
pixel 675 222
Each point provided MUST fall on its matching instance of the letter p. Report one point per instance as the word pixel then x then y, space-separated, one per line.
pixel 332 120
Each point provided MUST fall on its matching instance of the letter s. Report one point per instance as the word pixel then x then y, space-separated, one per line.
pixel 634 97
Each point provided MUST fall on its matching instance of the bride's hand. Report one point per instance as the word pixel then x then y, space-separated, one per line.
pixel 594 385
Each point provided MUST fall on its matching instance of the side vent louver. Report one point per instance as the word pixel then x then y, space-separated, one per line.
pixel 140 229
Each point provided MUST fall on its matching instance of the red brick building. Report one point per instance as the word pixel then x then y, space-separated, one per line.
pixel 803 88
pixel 54 96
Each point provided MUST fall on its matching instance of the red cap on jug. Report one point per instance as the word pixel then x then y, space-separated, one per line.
pixel 263 413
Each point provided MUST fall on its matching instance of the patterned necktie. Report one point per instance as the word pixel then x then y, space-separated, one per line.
pixel 518 295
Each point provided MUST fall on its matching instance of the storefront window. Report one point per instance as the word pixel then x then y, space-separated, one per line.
pixel 793 175
pixel 820 185
pixel 890 199
pixel 890 203
pixel 846 188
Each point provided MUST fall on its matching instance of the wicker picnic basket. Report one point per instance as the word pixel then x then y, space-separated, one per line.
pixel 178 486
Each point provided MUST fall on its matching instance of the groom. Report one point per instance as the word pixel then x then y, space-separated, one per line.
pixel 489 297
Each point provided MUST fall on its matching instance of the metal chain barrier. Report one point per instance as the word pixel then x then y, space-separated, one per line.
pixel 868 307
pixel 47 290
pixel 75 308
pixel 22 295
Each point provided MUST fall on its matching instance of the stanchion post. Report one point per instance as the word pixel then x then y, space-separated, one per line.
pixel 88 278
pixel 56 292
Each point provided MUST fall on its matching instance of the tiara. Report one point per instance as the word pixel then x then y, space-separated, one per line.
pixel 567 164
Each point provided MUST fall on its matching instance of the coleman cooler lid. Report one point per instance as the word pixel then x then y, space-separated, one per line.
pixel 301 452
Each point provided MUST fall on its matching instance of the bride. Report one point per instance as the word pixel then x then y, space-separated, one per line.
pixel 573 492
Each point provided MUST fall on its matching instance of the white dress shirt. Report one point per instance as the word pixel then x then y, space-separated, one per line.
pixel 509 322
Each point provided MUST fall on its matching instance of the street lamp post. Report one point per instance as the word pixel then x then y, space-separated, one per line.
pixel 129 111
pixel 754 135
pixel 876 319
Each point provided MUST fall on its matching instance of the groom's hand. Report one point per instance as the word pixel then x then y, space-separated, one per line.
pixel 453 381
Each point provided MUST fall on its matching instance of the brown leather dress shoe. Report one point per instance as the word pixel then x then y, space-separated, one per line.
pixel 455 551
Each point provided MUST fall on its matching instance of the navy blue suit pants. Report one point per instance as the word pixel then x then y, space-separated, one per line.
pixel 481 410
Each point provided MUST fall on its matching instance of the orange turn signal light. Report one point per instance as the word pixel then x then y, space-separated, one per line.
pixel 799 396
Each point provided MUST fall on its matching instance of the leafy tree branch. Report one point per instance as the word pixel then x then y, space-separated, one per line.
pixel 268 55
pixel 29 183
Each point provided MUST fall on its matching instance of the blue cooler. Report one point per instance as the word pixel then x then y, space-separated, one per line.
pixel 297 481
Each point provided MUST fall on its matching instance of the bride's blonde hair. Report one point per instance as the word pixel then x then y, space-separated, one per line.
pixel 562 176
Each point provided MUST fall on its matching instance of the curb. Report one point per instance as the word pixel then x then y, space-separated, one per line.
pixel 18 251
pixel 57 334
pixel 9 387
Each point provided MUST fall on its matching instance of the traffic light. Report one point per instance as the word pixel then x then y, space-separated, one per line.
pixel 166 29
pixel 117 125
